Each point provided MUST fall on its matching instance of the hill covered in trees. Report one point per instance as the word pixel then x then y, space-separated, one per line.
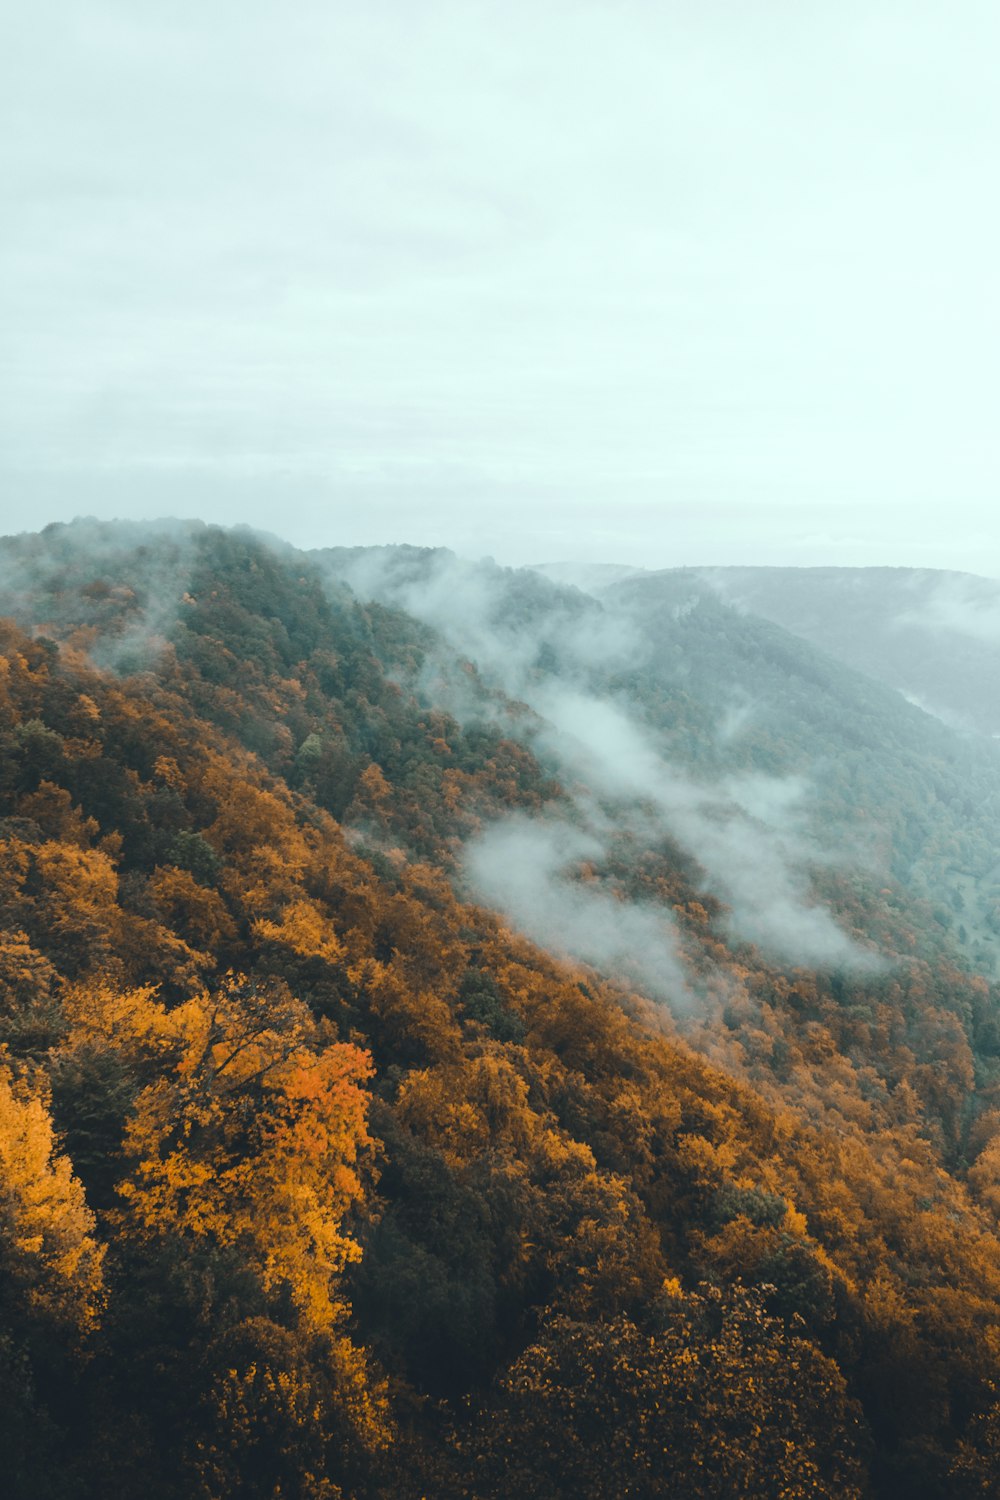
pixel 464 1038
pixel 931 634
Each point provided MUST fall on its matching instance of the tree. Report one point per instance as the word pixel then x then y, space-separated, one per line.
pixel 284 1415
pixel 51 1259
pixel 253 1138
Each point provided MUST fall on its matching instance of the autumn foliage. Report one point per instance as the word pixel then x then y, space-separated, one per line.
pixel 316 1181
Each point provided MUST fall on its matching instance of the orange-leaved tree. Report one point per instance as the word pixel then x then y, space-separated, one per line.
pixel 253 1139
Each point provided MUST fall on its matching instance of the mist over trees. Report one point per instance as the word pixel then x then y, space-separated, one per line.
pixel 465 1036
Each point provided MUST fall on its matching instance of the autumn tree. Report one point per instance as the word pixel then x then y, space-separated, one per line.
pixel 51 1259
pixel 253 1138
pixel 51 1290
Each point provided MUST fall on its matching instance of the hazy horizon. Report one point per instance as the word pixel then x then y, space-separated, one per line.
pixel 690 541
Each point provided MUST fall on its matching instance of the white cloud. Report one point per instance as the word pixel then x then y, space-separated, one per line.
pixel 524 869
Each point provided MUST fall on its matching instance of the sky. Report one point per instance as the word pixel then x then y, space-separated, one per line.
pixel 639 281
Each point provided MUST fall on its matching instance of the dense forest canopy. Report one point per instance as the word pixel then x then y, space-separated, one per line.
pixel 462 1036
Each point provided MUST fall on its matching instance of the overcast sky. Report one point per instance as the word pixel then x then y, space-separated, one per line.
pixel 655 281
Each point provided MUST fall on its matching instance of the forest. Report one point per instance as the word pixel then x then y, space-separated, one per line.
pixel 331 1166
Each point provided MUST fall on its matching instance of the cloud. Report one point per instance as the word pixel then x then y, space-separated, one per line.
pixel 525 869
pixel 959 605
pixel 748 833
pixel 48 570
pixel 511 623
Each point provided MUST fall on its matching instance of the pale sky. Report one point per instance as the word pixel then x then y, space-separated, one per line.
pixel 648 281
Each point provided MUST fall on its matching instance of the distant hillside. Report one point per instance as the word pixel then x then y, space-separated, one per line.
pixel 934 636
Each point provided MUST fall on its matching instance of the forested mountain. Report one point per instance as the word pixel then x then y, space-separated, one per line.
pixel 934 635
pixel 931 634
pixel 462 1037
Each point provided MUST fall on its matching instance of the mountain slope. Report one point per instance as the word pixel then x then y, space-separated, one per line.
pixel 366 1194
pixel 933 635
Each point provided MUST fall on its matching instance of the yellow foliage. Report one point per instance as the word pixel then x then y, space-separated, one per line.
pixel 253 1139
pixel 132 1022
pixel 305 930
pixel 984 1176
pixel 47 1244
pixel 51 807
pixel 249 819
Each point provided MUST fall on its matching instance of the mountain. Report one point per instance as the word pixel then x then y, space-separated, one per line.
pixel 466 1037
pixel 931 634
